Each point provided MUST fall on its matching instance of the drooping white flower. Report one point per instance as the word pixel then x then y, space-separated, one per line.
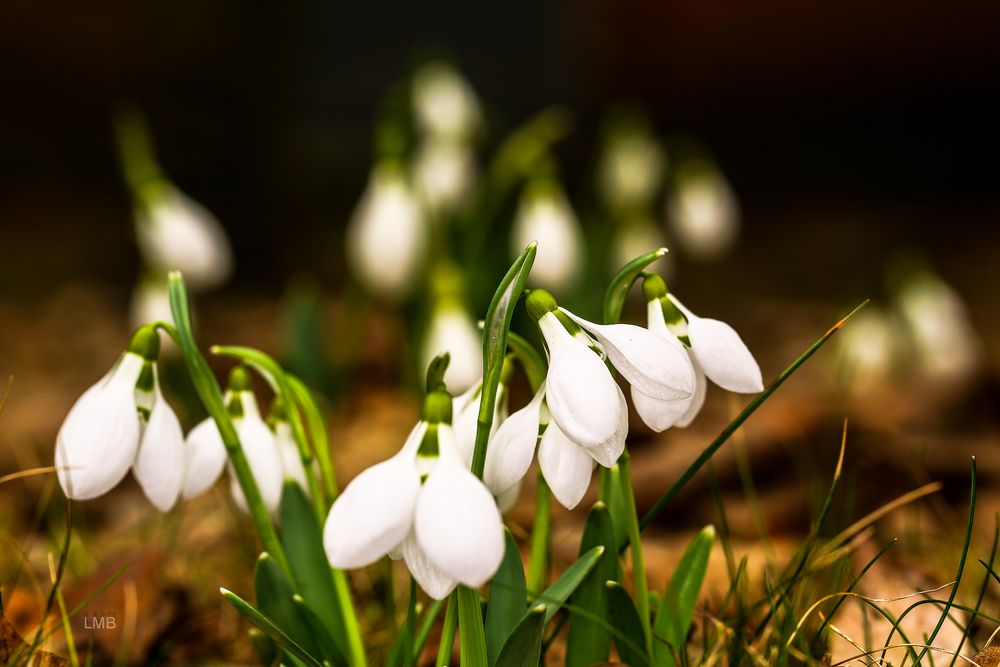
pixel 387 234
pixel 631 168
pixel 465 418
pixel 545 215
pixel 566 466
pixel 177 233
pixel 453 330
pixel 261 451
pixel 204 458
pixel 866 348
pixel 444 103
pixel 944 342
pixel 721 353
pixel 703 212
pixel 123 422
pixel 443 174
pixel 291 462
pixel 98 441
pixel 159 463
pixel 512 447
pixel 447 528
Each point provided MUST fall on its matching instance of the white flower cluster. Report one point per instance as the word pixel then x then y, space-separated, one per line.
pixel 424 504
pixel 123 422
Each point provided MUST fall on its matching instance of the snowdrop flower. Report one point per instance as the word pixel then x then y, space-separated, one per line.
pixel 714 349
pixel 177 233
pixel 123 422
pixel 589 415
pixel 150 303
pixel 704 212
pixel 866 347
pixel 205 453
pixel 545 215
pixel 443 175
pixel 465 415
pixel 422 505
pixel 946 345
pixel 631 167
pixel 387 234
pixel 452 330
pixel 291 462
pixel 444 103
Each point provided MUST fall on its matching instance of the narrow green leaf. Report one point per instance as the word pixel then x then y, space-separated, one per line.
pixel 264 646
pixel 303 542
pixel 252 614
pixel 274 599
pixel 589 641
pixel 495 328
pixel 630 638
pixel 324 640
pixel 614 298
pixel 508 599
pixel 472 637
pixel 555 596
pixel 677 607
pixel 524 646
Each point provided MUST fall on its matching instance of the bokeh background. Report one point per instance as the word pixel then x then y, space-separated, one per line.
pixel 858 137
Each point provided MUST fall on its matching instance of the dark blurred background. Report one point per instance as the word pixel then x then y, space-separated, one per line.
pixel 849 130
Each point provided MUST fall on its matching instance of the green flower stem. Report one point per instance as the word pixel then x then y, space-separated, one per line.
pixel 409 659
pixel 448 633
pixel 638 562
pixel 317 433
pixel 472 641
pixel 538 565
pixel 275 376
pixel 355 645
pixel 210 394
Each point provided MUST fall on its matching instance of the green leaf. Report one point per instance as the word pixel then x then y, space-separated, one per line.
pixel 274 599
pixel 303 541
pixel 470 626
pixel 614 298
pixel 264 646
pixel 327 646
pixel 589 640
pixel 677 607
pixel 630 637
pixel 508 599
pixel 436 370
pixel 252 614
pixel 555 596
pixel 524 646
pixel 495 329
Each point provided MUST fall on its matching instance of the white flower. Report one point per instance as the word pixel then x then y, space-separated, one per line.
pixel 635 237
pixel 631 170
pixel 387 234
pixel 721 353
pixel 704 212
pixel 453 330
pixel 159 463
pixel 177 233
pixel 150 303
pixel 448 528
pixel 660 415
pixel 291 462
pixel 444 103
pixel 204 458
pixel 98 441
pixel 512 447
pixel 443 174
pixel 261 451
pixel 866 347
pixel 544 215
pixel 465 418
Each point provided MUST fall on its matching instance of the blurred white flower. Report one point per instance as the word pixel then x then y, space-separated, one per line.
pixel 444 103
pixel 630 170
pixel 545 215
pixel 443 175
pixel 937 321
pixel 387 234
pixel 446 526
pixel 865 348
pixel 453 330
pixel 150 303
pixel 635 237
pixel 177 233
pixel 703 211
pixel 291 462
pixel 261 451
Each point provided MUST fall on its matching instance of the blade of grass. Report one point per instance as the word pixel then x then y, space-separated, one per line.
pixel 721 439
pixel 252 614
pixel 982 588
pixel 447 645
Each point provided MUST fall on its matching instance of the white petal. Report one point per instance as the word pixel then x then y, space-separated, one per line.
pixel 453 330
pixel 512 448
pixel 607 452
pixel 261 453
pixel 580 392
pixel 374 514
pixel 661 415
pixel 722 354
pixel 566 466
pixel 458 524
pixel 159 465
pixel 433 581
pixel 655 365
pixel 97 442
pixel 204 458
pixel 545 215
pixel 291 462
pixel 465 419
pixel 697 400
